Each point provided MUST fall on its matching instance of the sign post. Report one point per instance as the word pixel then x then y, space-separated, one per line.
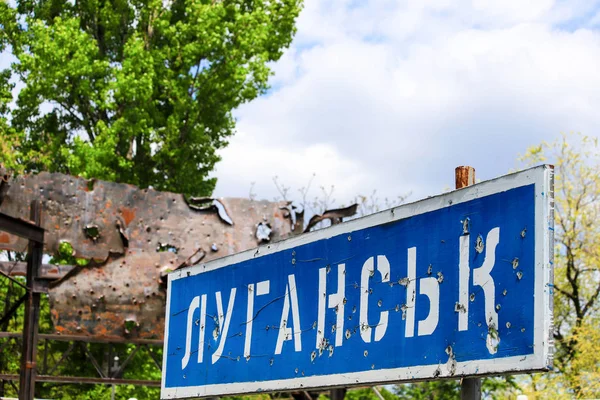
pixel 457 285
pixel 470 388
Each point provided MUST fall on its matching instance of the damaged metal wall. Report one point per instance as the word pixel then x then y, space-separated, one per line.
pixel 132 238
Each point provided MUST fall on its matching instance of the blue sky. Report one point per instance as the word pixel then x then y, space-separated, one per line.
pixel 392 95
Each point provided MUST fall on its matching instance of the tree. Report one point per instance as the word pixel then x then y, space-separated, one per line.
pixel 140 91
pixel 576 267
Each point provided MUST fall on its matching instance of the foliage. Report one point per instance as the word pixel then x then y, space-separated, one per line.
pixel 492 388
pixel 77 363
pixel 369 394
pixel 577 267
pixel 141 91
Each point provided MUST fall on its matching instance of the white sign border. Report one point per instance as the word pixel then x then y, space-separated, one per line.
pixel 541 359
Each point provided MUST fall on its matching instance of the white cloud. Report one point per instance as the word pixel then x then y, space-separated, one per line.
pixel 402 95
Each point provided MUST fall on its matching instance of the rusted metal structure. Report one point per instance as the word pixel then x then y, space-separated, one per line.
pixel 129 238
pixel 34 235
pixel 132 237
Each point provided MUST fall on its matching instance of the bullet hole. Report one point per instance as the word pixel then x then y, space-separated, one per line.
pixel 92 231
pixel 437 372
pixel 465 223
pixel 515 262
pixel 493 339
pixel 313 355
pixel 162 247
pixel 354 310
pixel 293 261
pixel 366 353
pixel 372 366
pixel 333 328
pixel 429 269
pixel 328 269
pixel 79 312
pixel 371 273
pixel 344 301
pixel 263 232
pixel 397 307
pixel 472 297
pixel 330 350
pixel 349 238
pixel 404 281
pixel 440 277
pixel 296 370
pixel 508 325
pixel 293 253
pixel 355 285
pixel 523 233
pixel 519 275
pixel 504 292
pixel 522 329
pixel 348 334
pixel 459 308
pixel 479 245
pixel 379 303
pixel 449 350
pixel 370 290
pixel 271 362
pixel 498 307
pixel 129 325
pixel 214 247
pixel 314 325
pixel 336 309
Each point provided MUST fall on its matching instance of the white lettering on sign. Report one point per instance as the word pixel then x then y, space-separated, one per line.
pixel 262 288
pixel 224 321
pixel 428 289
pixel 481 277
pixel 335 301
pixel 368 269
pixel 285 332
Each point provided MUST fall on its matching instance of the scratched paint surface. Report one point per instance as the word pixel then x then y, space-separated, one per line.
pixel 403 301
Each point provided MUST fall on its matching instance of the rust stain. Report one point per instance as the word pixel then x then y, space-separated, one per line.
pixel 4 237
pixel 123 280
pixel 128 215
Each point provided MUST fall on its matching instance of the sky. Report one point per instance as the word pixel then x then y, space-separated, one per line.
pixel 393 95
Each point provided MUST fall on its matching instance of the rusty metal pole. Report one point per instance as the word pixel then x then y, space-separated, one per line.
pixel 337 394
pixel 470 388
pixel 32 313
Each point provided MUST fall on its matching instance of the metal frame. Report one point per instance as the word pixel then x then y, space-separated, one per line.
pixel 109 376
pixel 37 283
pixel 35 234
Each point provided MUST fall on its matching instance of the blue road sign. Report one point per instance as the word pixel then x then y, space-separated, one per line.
pixel 454 285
